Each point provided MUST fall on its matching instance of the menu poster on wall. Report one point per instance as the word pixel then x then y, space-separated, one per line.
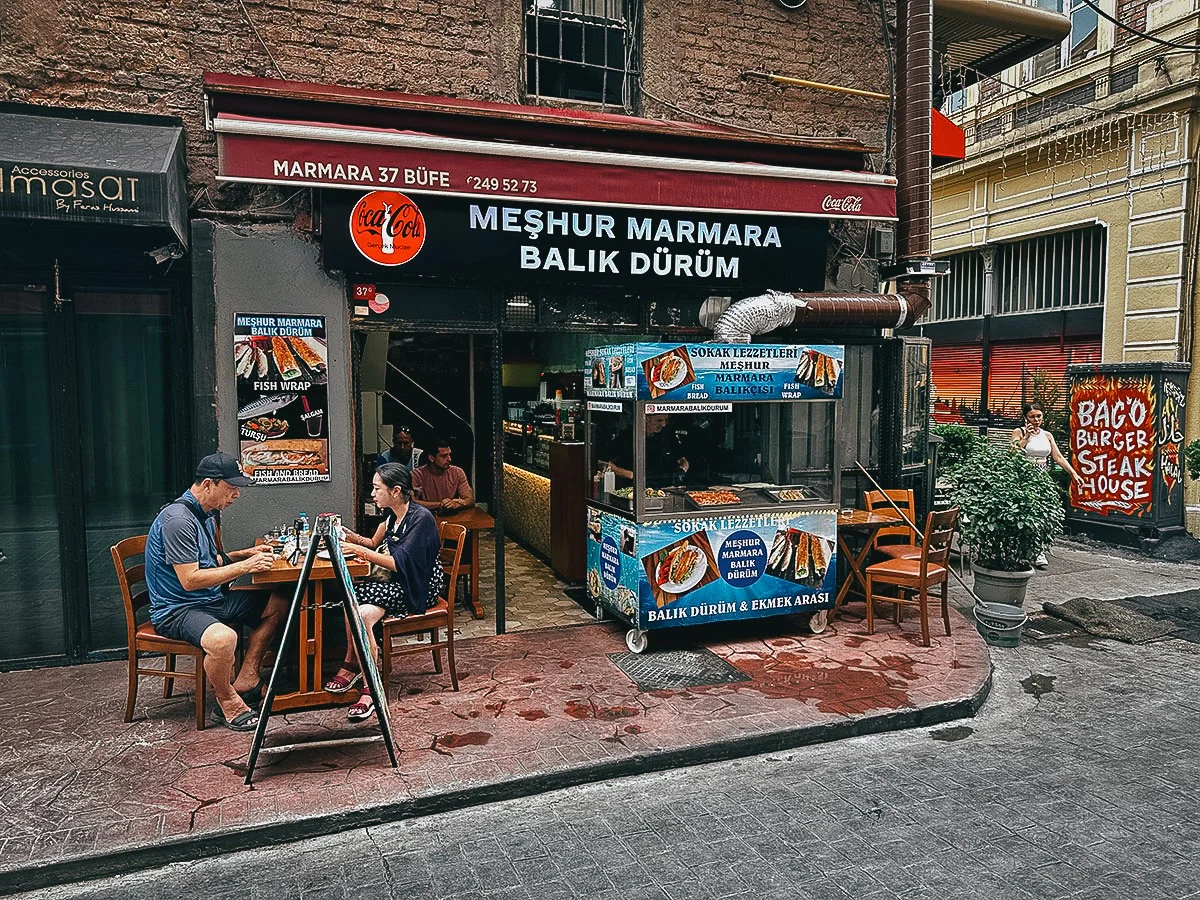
pixel 282 372
pixel 1113 444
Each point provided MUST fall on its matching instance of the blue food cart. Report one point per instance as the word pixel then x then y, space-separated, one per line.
pixel 714 479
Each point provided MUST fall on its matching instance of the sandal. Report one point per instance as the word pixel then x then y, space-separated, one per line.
pixel 341 683
pixel 362 709
pixel 246 720
pixel 253 698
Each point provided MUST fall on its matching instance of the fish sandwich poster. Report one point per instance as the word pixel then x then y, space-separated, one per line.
pixel 281 366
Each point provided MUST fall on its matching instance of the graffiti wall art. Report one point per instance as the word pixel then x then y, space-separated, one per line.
pixel 1113 431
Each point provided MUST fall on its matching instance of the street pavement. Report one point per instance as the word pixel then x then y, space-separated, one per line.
pixel 1077 779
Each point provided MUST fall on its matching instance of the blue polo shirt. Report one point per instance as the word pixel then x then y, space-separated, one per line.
pixel 176 537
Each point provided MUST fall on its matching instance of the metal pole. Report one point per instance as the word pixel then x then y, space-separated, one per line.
pixel 471 405
pixel 909 522
pixel 817 85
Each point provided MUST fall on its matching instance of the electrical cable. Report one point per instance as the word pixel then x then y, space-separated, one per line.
pixel 1139 117
pixel 793 5
pixel 1016 87
pixel 1141 34
pixel 254 28
pixel 712 121
pixel 891 67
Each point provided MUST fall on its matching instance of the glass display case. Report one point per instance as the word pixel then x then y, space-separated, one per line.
pixel 714 474
pixel 530 428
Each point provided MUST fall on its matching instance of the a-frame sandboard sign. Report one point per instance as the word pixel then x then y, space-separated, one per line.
pixel 325 538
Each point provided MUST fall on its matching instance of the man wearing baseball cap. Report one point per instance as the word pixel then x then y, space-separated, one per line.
pixel 188 577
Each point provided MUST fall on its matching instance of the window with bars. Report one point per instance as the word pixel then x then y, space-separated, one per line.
pixel 959 295
pixel 1066 270
pixel 1056 271
pixel 582 50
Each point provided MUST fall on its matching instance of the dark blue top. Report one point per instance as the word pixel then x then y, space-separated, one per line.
pixel 176 537
pixel 414 544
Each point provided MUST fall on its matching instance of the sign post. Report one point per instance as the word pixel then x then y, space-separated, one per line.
pixel 325 538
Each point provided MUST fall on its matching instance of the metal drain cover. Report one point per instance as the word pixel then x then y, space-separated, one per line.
pixel 676 669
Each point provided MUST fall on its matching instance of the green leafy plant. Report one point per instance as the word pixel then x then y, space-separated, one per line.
pixel 1047 390
pixel 1010 509
pixel 958 443
pixel 1191 458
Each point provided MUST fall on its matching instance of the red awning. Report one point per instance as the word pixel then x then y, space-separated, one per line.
pixel 272 151
pixel 949 142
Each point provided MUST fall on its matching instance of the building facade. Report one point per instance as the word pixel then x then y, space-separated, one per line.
pixel 127 337
pixel 1071 225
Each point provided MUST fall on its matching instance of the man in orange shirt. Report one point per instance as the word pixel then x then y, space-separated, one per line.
pixel 440 486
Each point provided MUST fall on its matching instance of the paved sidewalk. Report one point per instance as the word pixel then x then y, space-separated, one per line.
pixel 1077 570
pixel 1076 781
pixel 86 794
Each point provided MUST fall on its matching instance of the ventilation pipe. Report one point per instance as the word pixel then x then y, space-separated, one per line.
pixel 914 171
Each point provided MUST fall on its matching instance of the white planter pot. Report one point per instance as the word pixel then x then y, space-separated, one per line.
pixel 994 586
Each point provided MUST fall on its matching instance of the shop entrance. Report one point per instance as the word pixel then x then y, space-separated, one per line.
pixel 91 428
pixel 500 405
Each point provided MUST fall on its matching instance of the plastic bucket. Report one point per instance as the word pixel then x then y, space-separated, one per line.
pixel 999 623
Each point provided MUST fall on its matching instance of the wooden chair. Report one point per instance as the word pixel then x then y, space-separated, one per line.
pixel 911 577
pixel 894 542
pixel 439 615
pixel 143 638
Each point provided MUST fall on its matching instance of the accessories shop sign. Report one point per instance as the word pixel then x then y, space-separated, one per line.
pixel 389 234
pixel 70 194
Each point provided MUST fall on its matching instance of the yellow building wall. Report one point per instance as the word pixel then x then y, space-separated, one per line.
pixel 1136 181
pixel 1133 181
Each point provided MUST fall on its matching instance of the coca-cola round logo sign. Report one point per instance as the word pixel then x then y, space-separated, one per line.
pixel 387 228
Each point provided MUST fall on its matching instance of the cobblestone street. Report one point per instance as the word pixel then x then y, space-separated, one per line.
pixel 1077 779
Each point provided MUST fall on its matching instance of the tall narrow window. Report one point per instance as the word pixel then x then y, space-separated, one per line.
pixel 1084 25
pixel 582 50
pixel 1079 45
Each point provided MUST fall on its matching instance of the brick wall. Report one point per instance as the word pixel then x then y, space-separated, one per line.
pixel 149 57
pixel 1133 14
pixel 696 51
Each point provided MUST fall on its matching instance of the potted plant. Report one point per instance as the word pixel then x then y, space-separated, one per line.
pixel 958 443
pixel 1010 511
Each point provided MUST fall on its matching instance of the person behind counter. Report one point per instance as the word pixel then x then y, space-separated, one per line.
pixel 439 486
pixel 403 450
pixel 665 462
pixel 407 546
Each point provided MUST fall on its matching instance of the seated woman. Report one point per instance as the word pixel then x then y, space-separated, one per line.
pixel 410 547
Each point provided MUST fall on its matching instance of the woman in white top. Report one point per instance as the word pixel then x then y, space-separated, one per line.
pixel 1038 445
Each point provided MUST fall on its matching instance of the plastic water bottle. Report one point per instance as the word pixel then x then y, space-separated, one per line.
pixel 304 532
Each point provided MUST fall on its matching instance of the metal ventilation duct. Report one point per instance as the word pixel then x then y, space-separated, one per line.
pixel 760 315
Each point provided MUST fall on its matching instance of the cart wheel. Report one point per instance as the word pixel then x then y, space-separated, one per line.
pixel 637 641
pixel 818 621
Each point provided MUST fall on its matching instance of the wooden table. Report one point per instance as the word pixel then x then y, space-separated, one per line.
pixel 474 520
pixel 865 524
pixel 311 691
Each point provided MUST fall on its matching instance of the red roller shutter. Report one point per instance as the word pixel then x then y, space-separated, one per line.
pixel 958 380
pixel 1012 364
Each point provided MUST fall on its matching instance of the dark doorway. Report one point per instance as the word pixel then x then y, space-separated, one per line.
pixel 91 430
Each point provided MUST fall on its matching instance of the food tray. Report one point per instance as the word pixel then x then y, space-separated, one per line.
pixel 626 502
pixel 787 494
pixel 695 503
